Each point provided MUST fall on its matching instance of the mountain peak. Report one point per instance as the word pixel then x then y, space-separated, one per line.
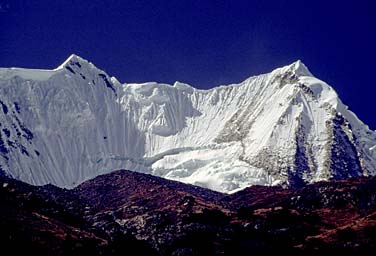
pixel 73 59
pixel 75 64
pixel 299 68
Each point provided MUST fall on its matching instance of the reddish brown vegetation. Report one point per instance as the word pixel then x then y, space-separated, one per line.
pixel 115 213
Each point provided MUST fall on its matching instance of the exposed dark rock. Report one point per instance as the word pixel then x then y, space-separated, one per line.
pixel 107 82
pixel 345 163
pixel 6 132
pixel 122 212
pixel 70 69
pixel 17 107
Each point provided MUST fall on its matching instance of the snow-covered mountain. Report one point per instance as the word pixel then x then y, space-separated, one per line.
pixel 70 124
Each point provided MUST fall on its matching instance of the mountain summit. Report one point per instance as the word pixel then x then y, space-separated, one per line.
pixel 70 124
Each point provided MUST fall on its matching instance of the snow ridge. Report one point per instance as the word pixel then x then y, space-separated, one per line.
pixel 75 122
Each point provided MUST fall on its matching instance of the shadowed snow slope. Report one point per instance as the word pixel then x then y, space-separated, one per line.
pixel 70 124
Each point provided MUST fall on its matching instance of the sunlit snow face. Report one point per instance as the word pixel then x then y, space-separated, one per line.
pixel 276 128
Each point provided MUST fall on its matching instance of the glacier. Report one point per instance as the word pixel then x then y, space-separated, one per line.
pixel 73 123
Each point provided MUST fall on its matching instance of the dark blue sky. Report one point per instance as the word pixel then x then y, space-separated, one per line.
pixel 203 43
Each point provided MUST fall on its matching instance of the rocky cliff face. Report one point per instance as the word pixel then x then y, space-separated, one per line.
pixel 70 124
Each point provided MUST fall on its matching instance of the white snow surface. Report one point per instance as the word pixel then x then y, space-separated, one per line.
pixel 85 123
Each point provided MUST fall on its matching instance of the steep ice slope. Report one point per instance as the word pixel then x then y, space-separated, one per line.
pixel 73 123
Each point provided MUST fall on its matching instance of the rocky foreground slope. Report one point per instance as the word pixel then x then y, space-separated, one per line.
pixel 125 212
pixel 73 123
